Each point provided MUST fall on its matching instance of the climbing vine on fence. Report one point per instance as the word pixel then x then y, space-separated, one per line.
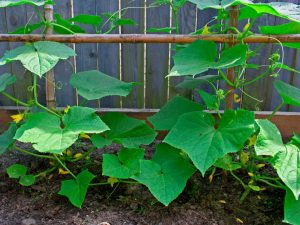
pixel 197 140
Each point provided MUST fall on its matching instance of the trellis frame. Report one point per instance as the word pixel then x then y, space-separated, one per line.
pixel 286 122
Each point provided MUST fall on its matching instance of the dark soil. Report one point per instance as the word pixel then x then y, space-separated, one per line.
pixel 201 203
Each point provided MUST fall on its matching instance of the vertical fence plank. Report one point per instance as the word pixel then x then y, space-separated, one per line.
pixel 4 46
pixel 16 17
pixel 87 55
pixel 205 17
pixel 187 24
pixel 32 17
pixel 262 89
pixel 133 55
pixel 108 54
pixel 157 59
pixel 65 94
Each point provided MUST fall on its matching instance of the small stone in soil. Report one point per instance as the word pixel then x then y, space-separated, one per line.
pixel 28 221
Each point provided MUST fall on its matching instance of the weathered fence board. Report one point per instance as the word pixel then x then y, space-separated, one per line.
pixel 3 48
pixel 109 54
pixel 157 59
pixel 133 55
pixel 144 63
pixel 65 94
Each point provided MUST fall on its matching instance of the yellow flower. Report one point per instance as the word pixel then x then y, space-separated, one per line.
pixel 68 152
pixel 83 135
pixel 237 98
pixel 250 174
pixel 210 178
pixel 62 172
pixel 222 201
pixel 246 26
pixel 260 165
pixel 112 181
pixel 244 157
pixel 252 140
pixel 18 117
pixel 78 156
pixel 238 220
pixel 66 110
pixel 205 30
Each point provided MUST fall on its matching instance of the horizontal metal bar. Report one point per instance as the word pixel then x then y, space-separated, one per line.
pixel 146 38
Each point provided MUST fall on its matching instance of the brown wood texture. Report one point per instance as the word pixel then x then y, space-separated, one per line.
pixel 147 38
pixel 50 80
pixel 287 123
pixel 233 22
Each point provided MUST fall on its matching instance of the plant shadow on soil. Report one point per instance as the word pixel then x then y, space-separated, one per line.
pixel 202 203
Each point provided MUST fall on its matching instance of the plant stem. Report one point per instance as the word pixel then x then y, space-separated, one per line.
pixel 120 181
pixel 60 26
pixel 275 111
pixel 238 179
pixel 226 79
pixel 36 97
pixel 39 14
pixel 17 101
pixel 33 154
pixel 248 28
pixel 256 78
pixel 99 184
pixel 270 184
pixel 245 194
pixel 175 14
pixel 64 166
pixel 46 172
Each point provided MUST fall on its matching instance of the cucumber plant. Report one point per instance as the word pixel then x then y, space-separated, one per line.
pixel 231 140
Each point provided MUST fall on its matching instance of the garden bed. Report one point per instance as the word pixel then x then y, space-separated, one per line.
pixel 201 202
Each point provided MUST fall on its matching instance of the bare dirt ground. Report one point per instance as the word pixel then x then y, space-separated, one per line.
pixel 202 203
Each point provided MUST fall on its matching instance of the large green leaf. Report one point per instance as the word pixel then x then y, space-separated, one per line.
pixel 75 190
pixel 27 29
pixel 123 166
pixel 196 134
pixel 211 101
pixel 6 139
pixel 39 57
pixel 269 140
pixel 287 28
pixel 169 113
pixel 166 174
pixel 216 4
pixel 129 132
pixel 95 85
pixel 227 163
pixel 6 80
pixel 289 94
pixel 7 3
pixel 62 26
pixel 46 134
pixel 291 209
pixel 87 19
pixel 287 165
pixel 201 56
pixel 195 82
pixel 280 9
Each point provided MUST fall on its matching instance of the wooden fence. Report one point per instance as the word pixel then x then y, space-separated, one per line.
pixel 145 63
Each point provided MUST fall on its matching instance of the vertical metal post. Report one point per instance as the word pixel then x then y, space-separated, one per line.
pixel 233 22
pixel 50 80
